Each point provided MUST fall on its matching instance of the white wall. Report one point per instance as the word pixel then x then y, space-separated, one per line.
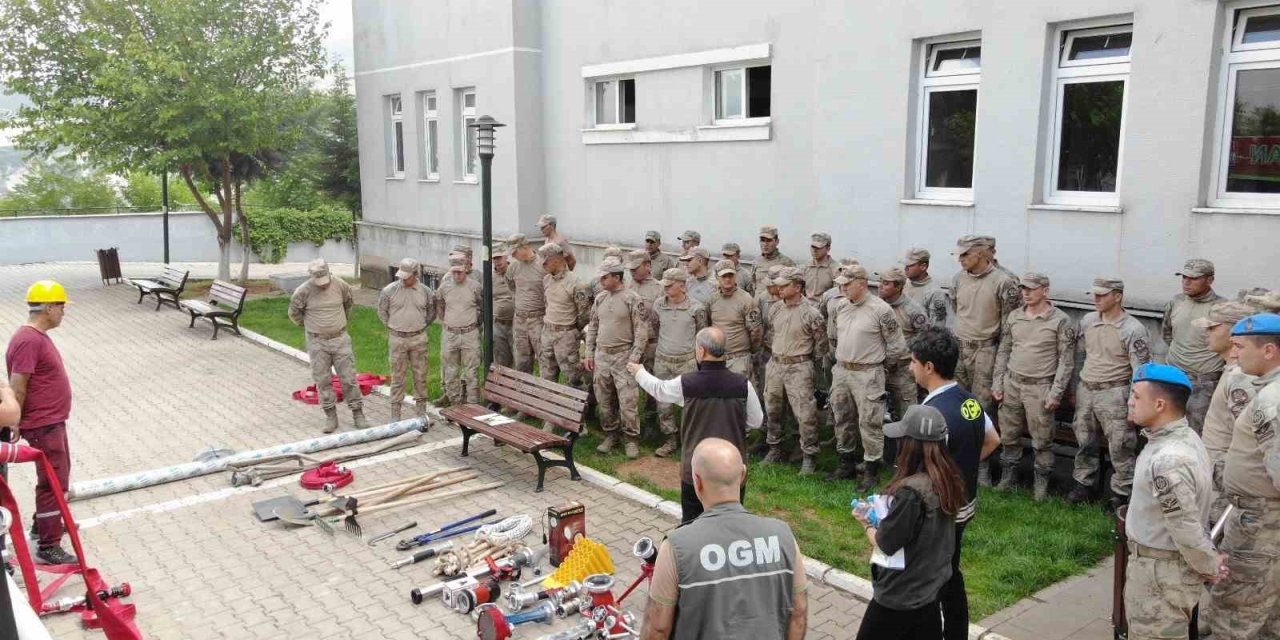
pixel 139 236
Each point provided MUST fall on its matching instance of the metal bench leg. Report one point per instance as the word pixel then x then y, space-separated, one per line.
pixel 159 301
pixel 543 463
pixel 193 320
pixel 466 440
pixel 235 327
pixel 214 322
pixel 568 459
pixel 141 294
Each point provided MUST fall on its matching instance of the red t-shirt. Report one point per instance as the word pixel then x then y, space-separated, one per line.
pixel 48 398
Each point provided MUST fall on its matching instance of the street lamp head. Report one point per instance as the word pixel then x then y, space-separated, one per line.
pixel 484 126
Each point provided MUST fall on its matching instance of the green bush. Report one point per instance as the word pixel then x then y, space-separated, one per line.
pixel 271 230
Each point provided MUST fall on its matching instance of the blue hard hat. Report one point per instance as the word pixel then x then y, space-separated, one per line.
pixel 1166 373
pixel 1262 324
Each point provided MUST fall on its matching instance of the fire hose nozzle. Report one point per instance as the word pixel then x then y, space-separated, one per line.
pixel 645 550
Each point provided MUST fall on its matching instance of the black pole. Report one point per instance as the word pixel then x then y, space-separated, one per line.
pixel 164 197
pixel 486 205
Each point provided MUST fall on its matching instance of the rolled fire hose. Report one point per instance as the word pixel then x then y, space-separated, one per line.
pixel 119 484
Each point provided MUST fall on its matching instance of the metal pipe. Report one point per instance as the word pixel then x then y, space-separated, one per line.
pixel 118 484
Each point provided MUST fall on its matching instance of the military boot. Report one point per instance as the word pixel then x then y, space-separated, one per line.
pixel 669 447
pixel 775 456
pixel 1042 487
pixel 1008 479
pixel 397 410
pixel 632 448
pixel 870 477
pixel 760 449
pixel 358 419
pixel 847 470
pixel 809 466
pixel 1079 493
pixel 420 409
pixel 607 446
pixel 984 473
pixel 330 420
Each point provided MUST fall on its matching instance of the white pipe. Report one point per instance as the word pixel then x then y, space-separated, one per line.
pixel 118 484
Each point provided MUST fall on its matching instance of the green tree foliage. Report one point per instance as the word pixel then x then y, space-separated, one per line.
pixel 271 230
pixel 340 152
pixel 162 84
pixel 142 191
pixel 61 183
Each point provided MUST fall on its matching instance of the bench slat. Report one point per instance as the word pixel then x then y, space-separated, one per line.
pixel 543 385
pixel 542 402
pixel 517 434
pixel 565 407
pixel 530 406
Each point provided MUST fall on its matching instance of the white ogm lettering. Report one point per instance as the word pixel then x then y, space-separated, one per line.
pixel 741 553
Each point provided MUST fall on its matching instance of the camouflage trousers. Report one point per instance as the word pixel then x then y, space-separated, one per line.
pixel 666 368
pixel 1202 387
pixel 743 365
pixel 975 370
pixel 901 385
pixel 526 343
pixel 1104 411
pixel 561 354
pixel 1219 461
pixel 502 334
pixel 858 395
pixel 1247 603
pixel 616 392
pixel 1159 594
pixel 460 359
pixel 1023 410
pixel 408 357
pixel 791 384
pixel 329 355
pixel 759 377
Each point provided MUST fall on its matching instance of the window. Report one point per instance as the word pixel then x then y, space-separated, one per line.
pixel 468 158
pixel 1248 131
pixel 430 137
pixel 1091 73
pixel 395 137
pixel 742 92
pixel 947 116
pixel 615 101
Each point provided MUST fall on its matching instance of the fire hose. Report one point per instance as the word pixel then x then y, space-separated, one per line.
pixel 107 486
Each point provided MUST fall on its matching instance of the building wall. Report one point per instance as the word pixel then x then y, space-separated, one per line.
pixel 840 151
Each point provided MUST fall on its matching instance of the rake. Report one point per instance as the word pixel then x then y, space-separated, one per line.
pixel 400 497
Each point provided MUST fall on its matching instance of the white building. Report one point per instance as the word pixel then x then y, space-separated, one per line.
pixel 1091 137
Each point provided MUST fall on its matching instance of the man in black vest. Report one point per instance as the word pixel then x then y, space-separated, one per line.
pixel 718 403
pixel 730 573
pixel 971 437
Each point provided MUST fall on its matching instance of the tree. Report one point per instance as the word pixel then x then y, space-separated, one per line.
pixel 188 85
pixel 61 183
pixel 340 151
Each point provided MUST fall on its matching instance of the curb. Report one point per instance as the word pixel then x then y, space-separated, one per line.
pixel 855 586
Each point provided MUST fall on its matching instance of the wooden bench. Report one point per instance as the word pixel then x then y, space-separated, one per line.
pixel 167 288
pixel 222 308
pixel 556 404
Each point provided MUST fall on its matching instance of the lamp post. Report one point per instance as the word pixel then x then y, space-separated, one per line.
pixel 484 126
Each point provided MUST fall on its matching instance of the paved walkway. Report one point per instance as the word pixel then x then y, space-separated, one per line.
pixel 150 392
pixel 1074 609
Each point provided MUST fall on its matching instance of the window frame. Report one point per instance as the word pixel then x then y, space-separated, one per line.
pixel 467 116
pixel 430 148
pixel 594 90
pixel 1067 72
pixel 929 83
pixel 1237 57
pixel 744 86
pixel 395 136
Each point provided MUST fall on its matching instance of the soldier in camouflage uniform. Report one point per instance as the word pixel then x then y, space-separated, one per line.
pixel 568 307
pixel 617 334
pixel 866 335
pixel 658 260
pixel 1247 602
pixel 1187 348
pixel 1033 368
pixel 524 278
pixel 982 296
pixel 458 307
pixel 640 265
pixel 504 310
pixel 550 228
pixel 923 289
pixel 702 284
pixel 820 273
pixel 677 319
pixel 1115 345
pixel 734 312
pixel 798 337
pixel 898 380
pixel 688 240
pixel 769 256
pixel 733 253
pixel 1170 553
pixel 406 308
pixel 322 306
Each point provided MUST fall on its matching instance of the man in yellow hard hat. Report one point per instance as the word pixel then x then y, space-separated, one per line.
pixel 43 391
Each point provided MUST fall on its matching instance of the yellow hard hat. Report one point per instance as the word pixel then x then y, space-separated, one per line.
pixel 46 292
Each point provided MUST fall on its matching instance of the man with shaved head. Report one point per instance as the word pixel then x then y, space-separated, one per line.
pixel 730 573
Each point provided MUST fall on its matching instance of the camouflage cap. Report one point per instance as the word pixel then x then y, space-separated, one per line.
pixel 636 258
pixel 546 219
pixel 408 267
pixel 731 249
pixel 847 262
pixel 851 273
pixel 690 235
pixel 516 240
pixel 609 266
pixel 1033 280
pixel 1196 268
pixel 674 275
pixel 990 240
pixel 892 274
pixel 769 231
pixel 613 252
pixel 696 252
pixel 787 275
pixel 458 265
pixel 463 249
pixel 319 272
pixel 820 240
pixel 1269 301
pixel 726 266
pixel 965 243
pixel 1103 286
pixel 549 250
pixel 1225 312
pixel 654 236
pixel 917 255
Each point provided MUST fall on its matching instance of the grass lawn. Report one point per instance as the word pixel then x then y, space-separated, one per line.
pixel 1013 548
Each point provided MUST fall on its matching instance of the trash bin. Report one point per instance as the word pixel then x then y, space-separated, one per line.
pixel 109 265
